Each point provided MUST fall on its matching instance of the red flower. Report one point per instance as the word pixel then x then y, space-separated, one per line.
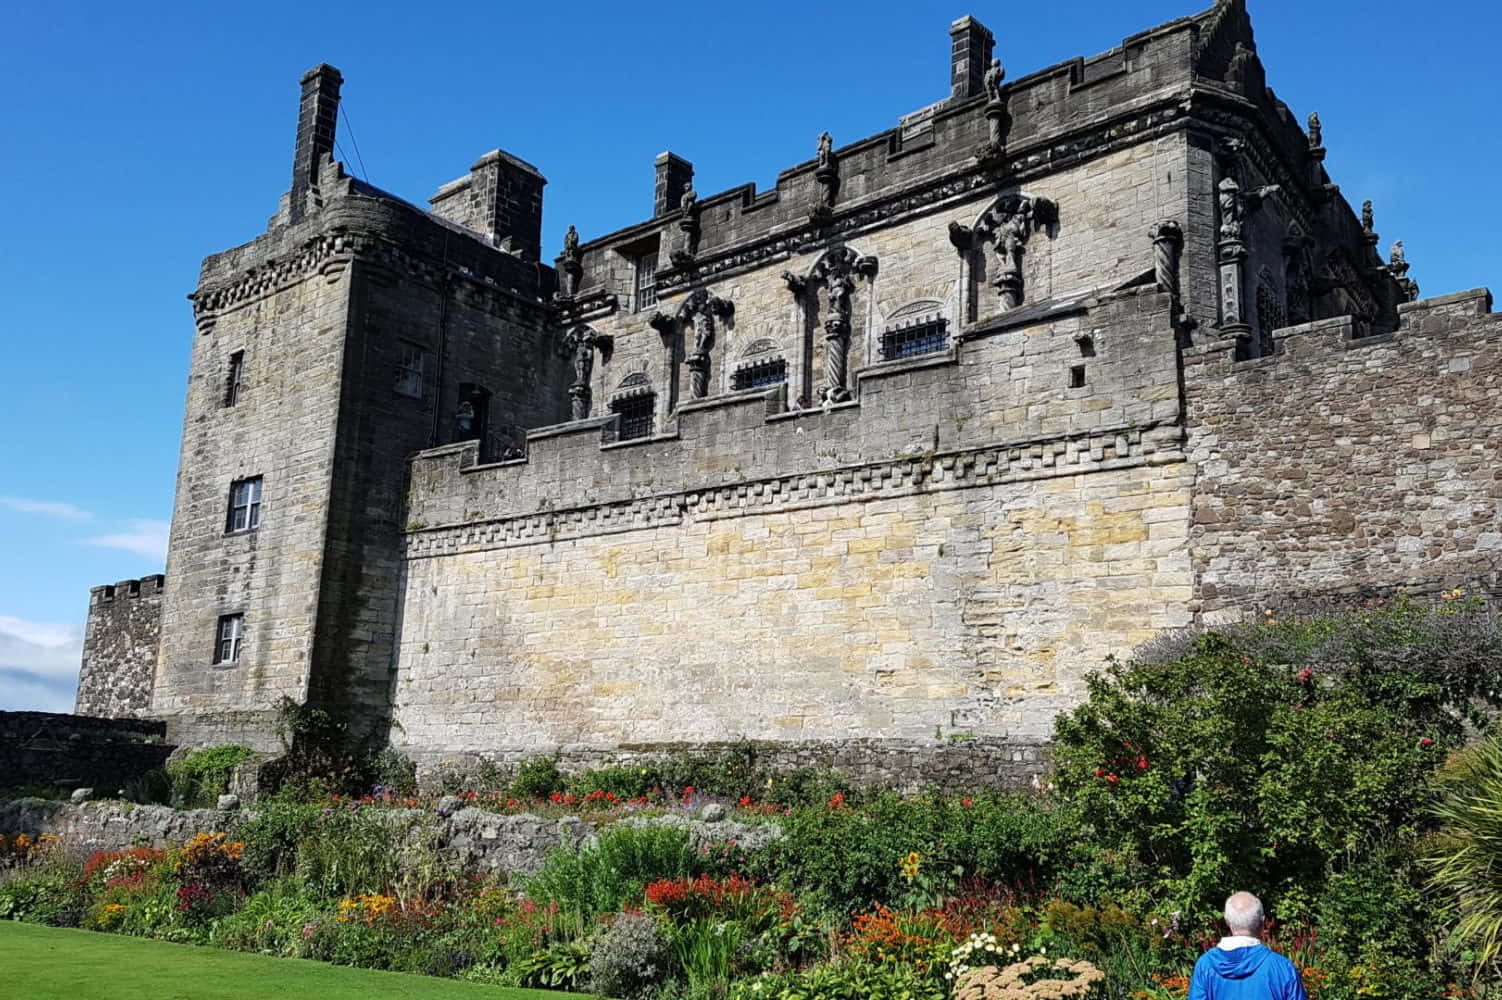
pixel 1100 772
pixel 837 800
pixel 1306 675
pixel 744 802
pixel 1298 708
pixel 1112 778
pixel 688 790
pixel 1426 742
pixel 1141 762
pixel 967 803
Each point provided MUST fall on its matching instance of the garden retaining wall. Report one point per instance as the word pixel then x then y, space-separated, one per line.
pixel 471 839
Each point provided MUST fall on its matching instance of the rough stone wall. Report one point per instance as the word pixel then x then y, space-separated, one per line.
pixel 897 568
pixel 471 839
pixel 120 645
pixel 1349 465
pixel 71 751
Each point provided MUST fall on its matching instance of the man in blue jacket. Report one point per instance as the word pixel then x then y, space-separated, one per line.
pixel 1241 967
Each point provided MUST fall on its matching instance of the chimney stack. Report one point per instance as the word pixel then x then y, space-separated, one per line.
pixel 970 55
pixel 317 120
pixel 675 175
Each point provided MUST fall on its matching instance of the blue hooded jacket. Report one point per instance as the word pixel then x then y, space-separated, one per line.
pixel 1254 972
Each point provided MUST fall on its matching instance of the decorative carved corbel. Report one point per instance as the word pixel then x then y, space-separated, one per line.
pixel 961 237
pixel 796 283
pixel 1168 245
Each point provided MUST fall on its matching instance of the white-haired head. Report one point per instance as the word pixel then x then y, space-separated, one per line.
pixel 1244 914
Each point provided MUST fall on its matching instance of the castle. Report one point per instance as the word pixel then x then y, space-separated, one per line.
pixel 870 468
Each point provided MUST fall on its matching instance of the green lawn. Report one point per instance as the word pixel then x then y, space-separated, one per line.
pixel 48 963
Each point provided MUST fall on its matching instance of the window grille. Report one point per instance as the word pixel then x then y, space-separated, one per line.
pixel 244 505
pixel 646 281
pixel 229 638
pixel 1270 316
pixel 925 335
pixel 636 415
pixel 762 373
pixel 411 371
pixel 235 379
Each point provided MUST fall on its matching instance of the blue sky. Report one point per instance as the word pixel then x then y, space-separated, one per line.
pixel 141 138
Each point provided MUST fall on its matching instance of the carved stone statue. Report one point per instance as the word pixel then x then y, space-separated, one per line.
pixel 826 149
pixel 841 287
pixel 992 80
pixel 1316 130
pixel 1368 217
pixel 1229 196
pixel 571 243
pixel 1399 258
pixel 689 203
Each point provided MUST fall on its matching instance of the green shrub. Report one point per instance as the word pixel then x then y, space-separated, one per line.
pixel 152 788
pixel 1278 756
pixel 537 778
pixel 274 921
pixel 629 958
pixel 51 900
pixel 842 860
pixel 843 980
pixel 1465 857
pixel 272 836
pixel 202 776
pixel 622 782
pixel 601 877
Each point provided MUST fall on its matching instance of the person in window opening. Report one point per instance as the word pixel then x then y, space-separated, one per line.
pixel 1241 967
pixel 799 404
pixel 464 421
pixel 512 453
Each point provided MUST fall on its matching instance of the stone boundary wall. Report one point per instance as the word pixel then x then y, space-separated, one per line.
pixel 120 646
pixel 1349 464
pixel 952 763
pixel 470 839
pixel 73 751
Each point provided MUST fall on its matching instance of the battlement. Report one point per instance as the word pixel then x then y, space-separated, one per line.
pixel 146 586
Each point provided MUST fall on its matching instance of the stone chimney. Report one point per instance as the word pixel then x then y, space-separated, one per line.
pixel 501 199
pixel 970 54
pixel 317 121
pixel 675 175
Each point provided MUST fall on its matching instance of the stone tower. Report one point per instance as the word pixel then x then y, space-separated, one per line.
pixel 357 330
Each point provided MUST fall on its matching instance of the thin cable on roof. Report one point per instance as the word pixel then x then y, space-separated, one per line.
pixel 364 174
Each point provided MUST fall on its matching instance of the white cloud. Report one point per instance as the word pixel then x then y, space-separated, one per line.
pixel 38 665
pixel 47 507
pixel 147 538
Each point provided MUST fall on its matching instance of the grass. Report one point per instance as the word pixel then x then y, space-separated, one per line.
pixel 48 963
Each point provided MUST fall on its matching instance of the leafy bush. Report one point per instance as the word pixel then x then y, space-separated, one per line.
pixel 629 958
pixel 537 778
pixel 1465 857
pixel 841 859
pixel 845 980
pixel 1277 755
pixel 601 877
pixel 202 776
pixel 53 901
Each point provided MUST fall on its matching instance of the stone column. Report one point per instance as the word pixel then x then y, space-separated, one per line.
pixel 837 351
pixel 1168 246
pixel 1232 255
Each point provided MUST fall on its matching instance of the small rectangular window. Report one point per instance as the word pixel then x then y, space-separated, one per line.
pixel 244 505
pixel 1077 377
pixel 635 416
pixel 646 281
pixel 924 336
pixel 229 639
pixel 235 378
pixel 411 370
pixel 760 374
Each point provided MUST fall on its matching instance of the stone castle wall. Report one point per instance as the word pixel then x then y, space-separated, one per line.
pixel 1350 465
pixel 120 645
pixel 72 751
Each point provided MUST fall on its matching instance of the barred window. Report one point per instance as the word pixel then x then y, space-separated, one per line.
pixel 235 379
pixel 411 370
pixel 229 638
pixel 646 281
pixel 244 505
pixel 762 373
pixel 636 413
pixel 924 335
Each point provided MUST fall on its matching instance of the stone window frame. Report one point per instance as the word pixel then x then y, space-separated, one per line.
pixel 919 336
pixel 759 373
pixel 234 381
pixel 636 415
pixel 229 638
pixel 644 281
pixel 245 498
pixel 411 370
